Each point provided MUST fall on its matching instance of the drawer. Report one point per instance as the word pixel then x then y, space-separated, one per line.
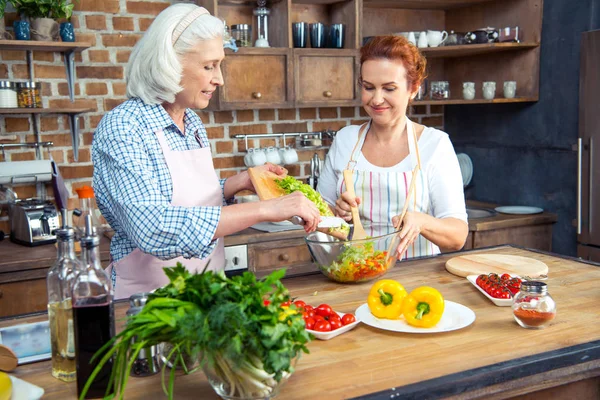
pixel 291 254
pixel 23 297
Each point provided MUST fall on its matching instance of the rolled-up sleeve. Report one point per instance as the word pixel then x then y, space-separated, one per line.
pixel 129 196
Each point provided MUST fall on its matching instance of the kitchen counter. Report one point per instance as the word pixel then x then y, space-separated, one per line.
pixel 492 358
pixel 501 221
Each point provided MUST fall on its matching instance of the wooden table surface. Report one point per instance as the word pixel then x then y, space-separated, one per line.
pixel 493 355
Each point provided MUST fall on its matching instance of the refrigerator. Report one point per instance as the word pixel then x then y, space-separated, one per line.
pixel 588 149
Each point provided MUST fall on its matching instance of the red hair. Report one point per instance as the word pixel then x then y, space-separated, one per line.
pixel 397 48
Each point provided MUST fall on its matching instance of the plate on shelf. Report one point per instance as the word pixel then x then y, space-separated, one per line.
pixel 498 302
pixel 466 168
pixel 519 210
pixel 456 316
pixel 337 332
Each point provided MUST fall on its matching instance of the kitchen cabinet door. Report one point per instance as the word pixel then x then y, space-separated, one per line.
pixel 23 297
pixel 257 82
pixel 326 77
pixel 291 254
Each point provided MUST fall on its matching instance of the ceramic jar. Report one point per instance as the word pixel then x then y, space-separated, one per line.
pixel 468 90
pixel 510 89
pixel 489 90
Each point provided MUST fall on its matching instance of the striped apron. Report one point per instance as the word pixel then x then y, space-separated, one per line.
pixel 383 194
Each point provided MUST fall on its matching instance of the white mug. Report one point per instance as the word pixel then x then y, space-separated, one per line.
pixel 248 158
pixel 273 156
pixel 423 40
pixel 489 90
pixel 435 38
pixel 411 38
pixel 259 157
pixel 510 89
pixel 289 155
pixel 468 90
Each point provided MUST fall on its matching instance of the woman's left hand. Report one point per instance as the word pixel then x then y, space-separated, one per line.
pixel 276 169
pixel 412 225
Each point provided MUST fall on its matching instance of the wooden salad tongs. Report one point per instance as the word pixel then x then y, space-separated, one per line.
pixel 398 228
pixel 358 232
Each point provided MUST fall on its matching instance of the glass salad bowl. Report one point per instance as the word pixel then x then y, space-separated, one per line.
pixel 355 260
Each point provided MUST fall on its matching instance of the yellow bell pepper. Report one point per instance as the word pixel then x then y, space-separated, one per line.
pixel 385 299
pixel 423 307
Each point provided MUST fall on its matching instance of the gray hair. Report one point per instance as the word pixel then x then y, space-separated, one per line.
pixel 154 69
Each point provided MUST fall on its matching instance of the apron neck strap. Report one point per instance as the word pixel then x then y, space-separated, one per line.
pixel 352 162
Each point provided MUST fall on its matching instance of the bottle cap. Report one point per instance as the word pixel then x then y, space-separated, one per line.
pixel 91 237
pixel 65 231
pixel 534 287
pixel 85 192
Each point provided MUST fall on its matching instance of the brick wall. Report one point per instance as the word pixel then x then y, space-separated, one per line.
pixel 113 27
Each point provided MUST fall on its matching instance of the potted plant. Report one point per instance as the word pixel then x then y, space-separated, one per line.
pixel 43 15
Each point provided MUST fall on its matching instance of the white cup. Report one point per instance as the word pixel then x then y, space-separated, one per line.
pixel 489 90
pixel 258 157
pixel 273 156
pixel 468 90
pixel 290 155
pixel 435 38
pixel 510 89
pixel 411 38
pixel 422 42
pixel 248 158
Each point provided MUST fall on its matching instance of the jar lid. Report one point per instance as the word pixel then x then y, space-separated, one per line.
pixel 85 192
pixel 7 85
pixel 138 299
pixel 534 287
pixel 243 27
pixel 28 85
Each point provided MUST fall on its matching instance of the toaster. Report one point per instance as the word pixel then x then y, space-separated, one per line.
pixel 33 221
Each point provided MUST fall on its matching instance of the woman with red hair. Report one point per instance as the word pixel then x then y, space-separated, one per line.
pixel 386 153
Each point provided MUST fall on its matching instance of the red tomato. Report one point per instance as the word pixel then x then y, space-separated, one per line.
pixel 318 317
pixel 308 307
pixel 310 313
pixel 335 323
pixel 324 310
pixel 286 304
pixel 505 277
pixel 348 319
pixel 299 304
pixel 309 322
pixel 322 326
pixel 266 302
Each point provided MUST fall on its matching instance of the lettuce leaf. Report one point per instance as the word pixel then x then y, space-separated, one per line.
pixel 290 184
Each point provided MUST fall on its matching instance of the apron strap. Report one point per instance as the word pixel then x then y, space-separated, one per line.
pixel 162 140
pixel 352 162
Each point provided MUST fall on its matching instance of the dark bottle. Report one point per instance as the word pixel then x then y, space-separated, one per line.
pixel 93 316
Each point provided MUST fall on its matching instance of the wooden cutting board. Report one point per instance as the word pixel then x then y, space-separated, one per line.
pixel 264 183
pixel 476 264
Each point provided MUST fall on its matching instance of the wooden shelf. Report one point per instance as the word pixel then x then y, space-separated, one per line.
pixel 423 4
pixel 43 46
pixel 45 110
pixel 474 49
pixel 499 100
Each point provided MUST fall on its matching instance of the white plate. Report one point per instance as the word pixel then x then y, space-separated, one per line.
pixel 519 210
pixel 466 168
pixel 339 331
pixel 23 390
pixel 498 302
pixel 456 316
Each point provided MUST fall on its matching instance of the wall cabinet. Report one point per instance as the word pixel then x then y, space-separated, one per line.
pixel 328 77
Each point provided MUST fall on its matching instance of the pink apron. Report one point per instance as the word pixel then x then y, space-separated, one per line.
pixel 195 183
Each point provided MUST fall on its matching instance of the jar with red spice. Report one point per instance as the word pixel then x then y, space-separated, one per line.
pixel 533 307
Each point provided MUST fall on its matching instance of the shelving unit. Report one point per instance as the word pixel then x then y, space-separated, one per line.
pixel 499 100
pixel 68 49
pixel 475 49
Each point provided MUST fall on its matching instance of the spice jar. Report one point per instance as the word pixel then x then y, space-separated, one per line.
pixel 440 90
pixel 8 95
pixel 242 33
pixel 533 307
pixel 28 94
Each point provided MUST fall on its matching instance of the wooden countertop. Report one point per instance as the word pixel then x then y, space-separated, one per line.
pixel 502 221
pixel 492 356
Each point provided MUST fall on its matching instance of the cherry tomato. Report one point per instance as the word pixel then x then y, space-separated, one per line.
pixel 310 313
pixel 335 323
pixel 505 277
pixel 266 302
pixel 308 307
pixel 286 304
pixel 309 322
pixel 318 317
pixel 322 326
pixel 348 319
pixel 324 310
pixel 299 304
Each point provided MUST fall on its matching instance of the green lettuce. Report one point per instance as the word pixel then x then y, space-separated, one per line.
pixel 289 184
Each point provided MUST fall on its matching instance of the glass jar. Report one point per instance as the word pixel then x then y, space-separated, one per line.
pixel 28 94
pixel 440 90
pixel 8 95
pixel 533 307
pixel 242 33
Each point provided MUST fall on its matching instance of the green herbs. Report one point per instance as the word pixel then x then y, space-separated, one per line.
pixel 223 320
pixel 290 184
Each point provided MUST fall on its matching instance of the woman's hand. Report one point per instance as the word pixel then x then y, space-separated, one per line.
pixel 344 204
pixel 296 203
pixel 411 227
pixel 276 169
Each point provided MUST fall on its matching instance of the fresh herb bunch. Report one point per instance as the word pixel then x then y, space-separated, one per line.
pixel 223 320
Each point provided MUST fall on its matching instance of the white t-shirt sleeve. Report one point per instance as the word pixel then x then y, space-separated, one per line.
pixel 445 182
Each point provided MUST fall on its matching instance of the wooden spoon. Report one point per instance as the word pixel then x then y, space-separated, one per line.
pixel 359 231
pixel 8 359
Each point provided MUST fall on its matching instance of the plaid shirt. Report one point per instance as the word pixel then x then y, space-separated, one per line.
pixel 133 185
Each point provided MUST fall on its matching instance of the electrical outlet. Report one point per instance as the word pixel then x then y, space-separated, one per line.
pixel 236 257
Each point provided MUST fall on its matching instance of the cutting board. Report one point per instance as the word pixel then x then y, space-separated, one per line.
pixel 476 264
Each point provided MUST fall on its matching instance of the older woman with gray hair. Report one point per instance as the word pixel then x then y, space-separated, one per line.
pixel 154 178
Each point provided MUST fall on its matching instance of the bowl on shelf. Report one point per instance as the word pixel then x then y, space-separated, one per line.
pixel 353 261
